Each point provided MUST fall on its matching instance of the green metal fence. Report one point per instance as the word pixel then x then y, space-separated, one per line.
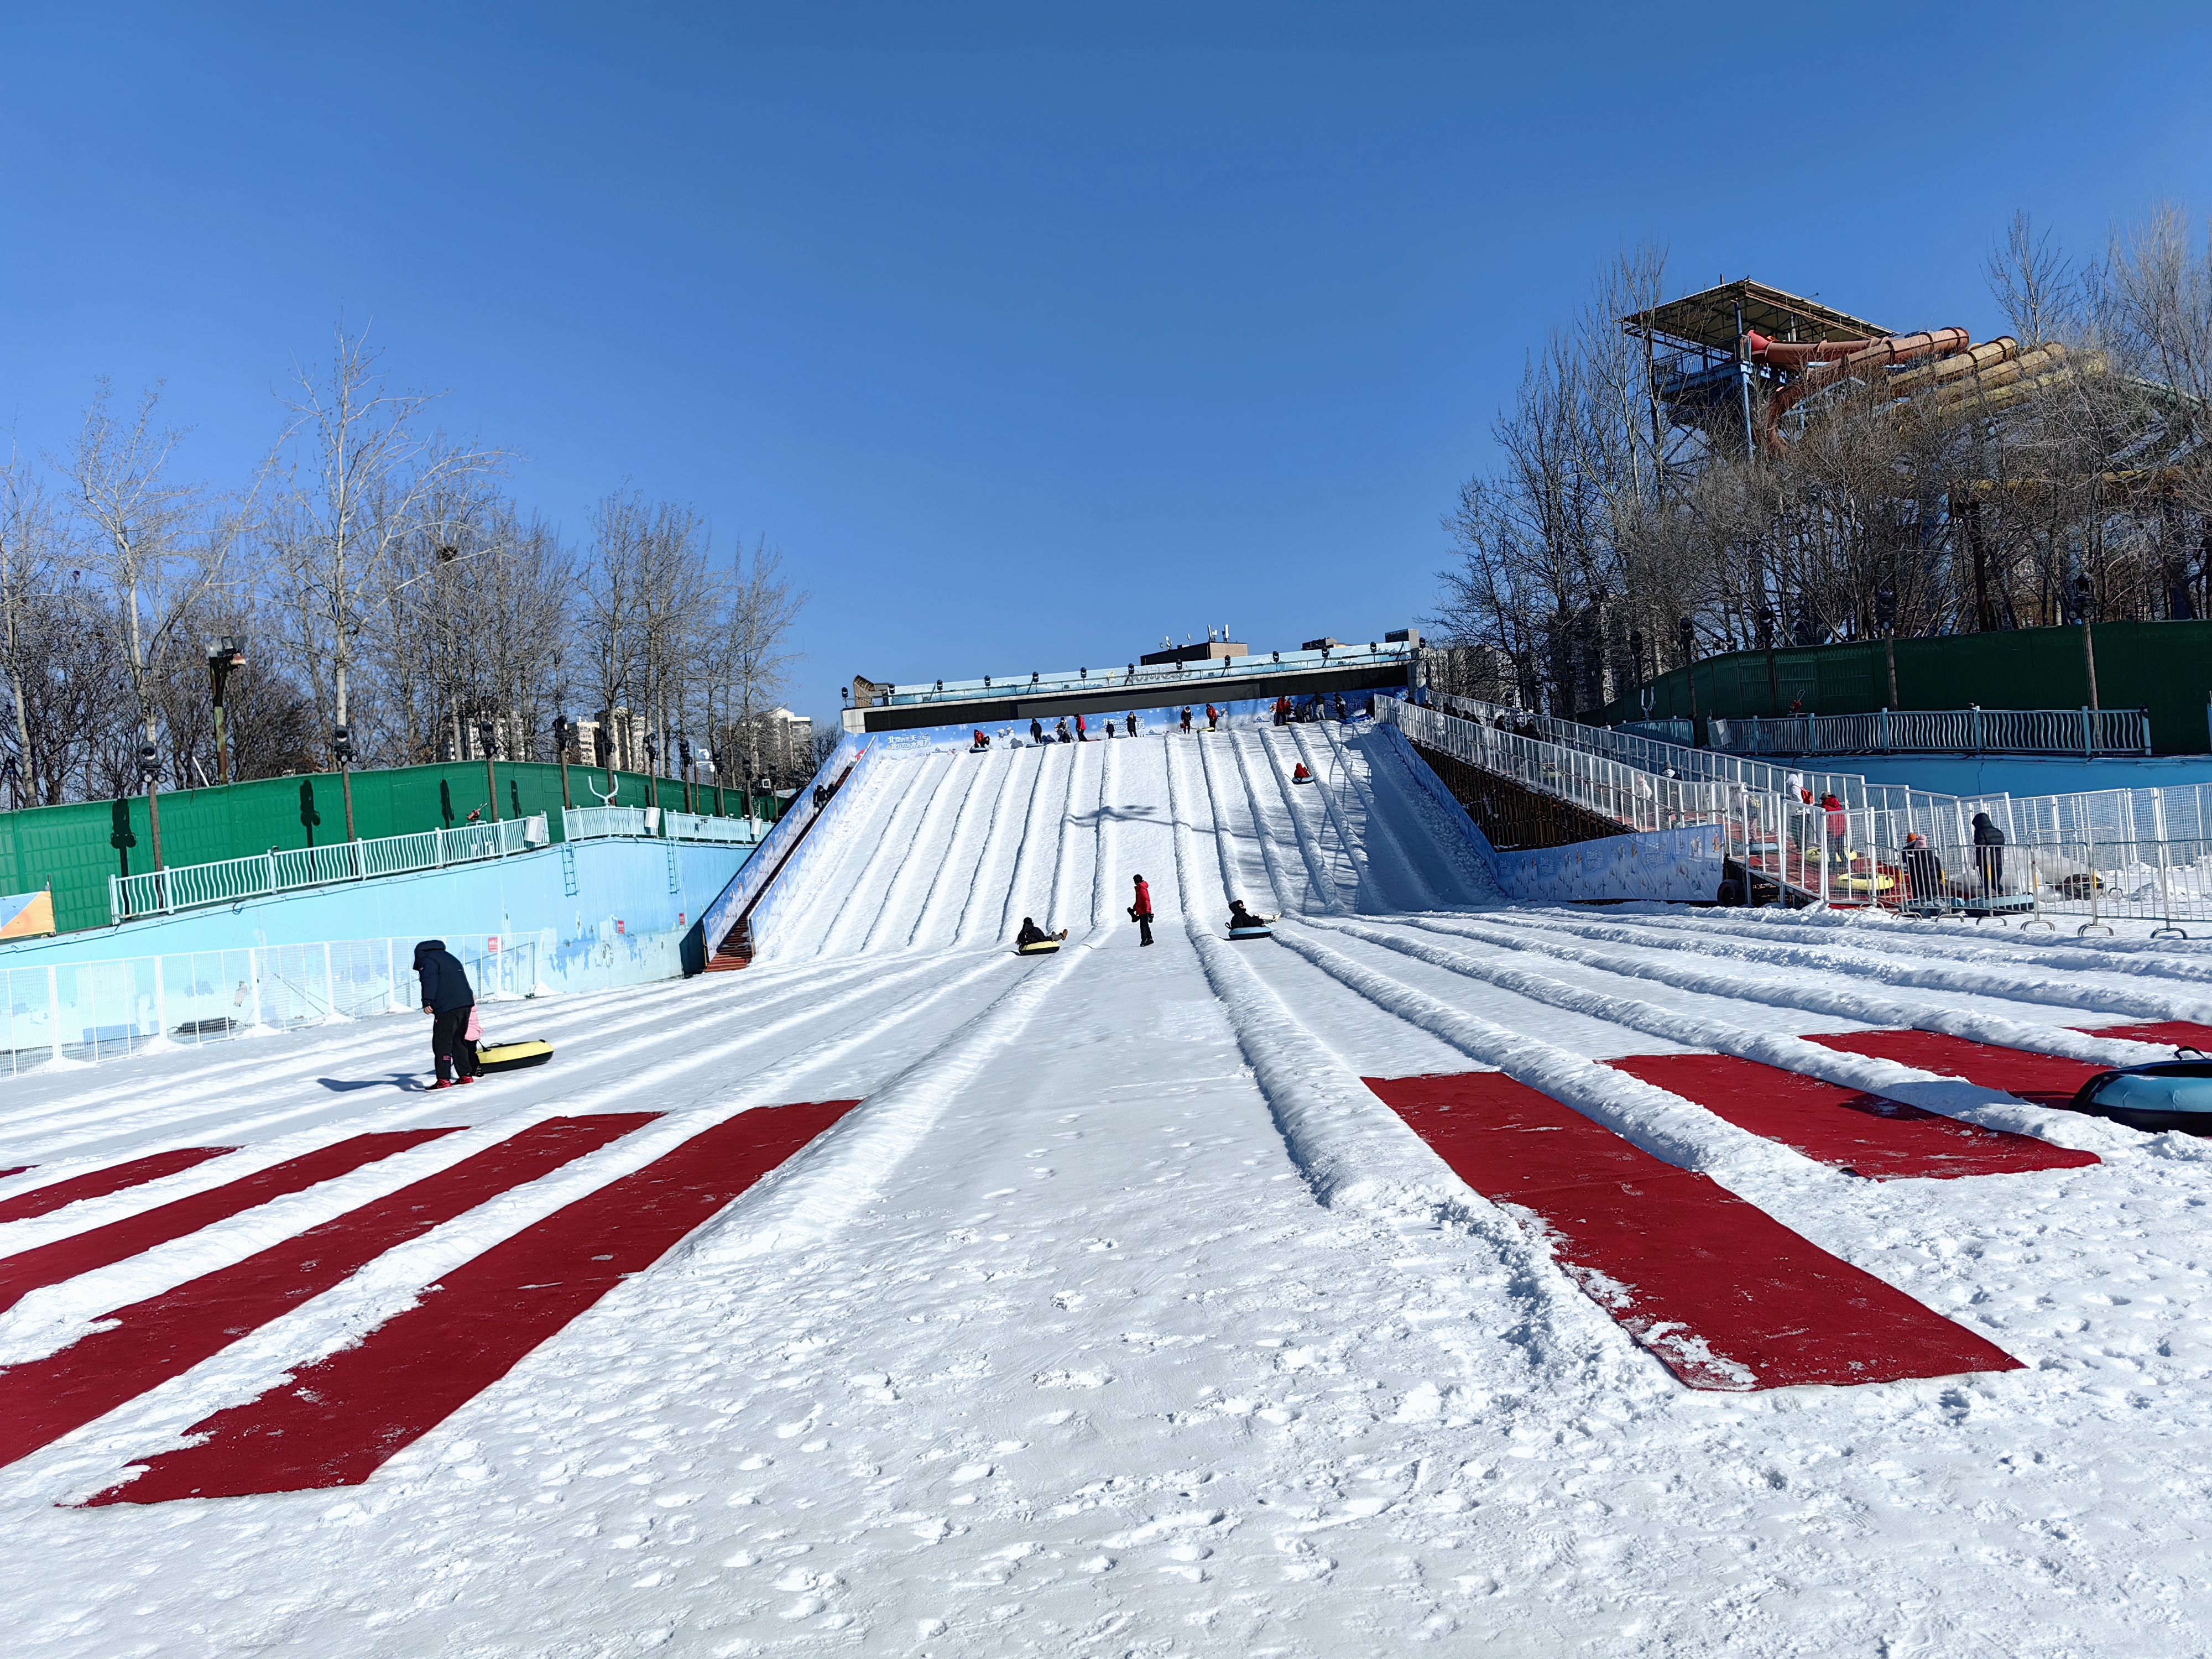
pixel 75 849
pixel 2164 667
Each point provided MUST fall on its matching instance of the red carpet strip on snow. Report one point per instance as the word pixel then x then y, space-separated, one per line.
pixel 1722 1294
pixel 335 1422
pixel 167 1334
pixel 101 1246
pixel 2045 1079
pixel 1860 1134
pixel 2177 1033
pixel 20 1168
pixel 98 1183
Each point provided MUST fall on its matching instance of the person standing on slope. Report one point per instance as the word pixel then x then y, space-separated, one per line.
pixel 1186 717
pixel 1133 725
pixel 449 1000
pixel 1082 731
pixel 1141 912
pixel 1213 718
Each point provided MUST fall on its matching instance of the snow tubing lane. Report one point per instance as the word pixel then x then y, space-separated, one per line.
pixel 167 1335
pixel 1860 1134
pixel 334 1423
pixel 101 1246
pixel 2042 1079
pixel 98 1183
pixel 1721 1293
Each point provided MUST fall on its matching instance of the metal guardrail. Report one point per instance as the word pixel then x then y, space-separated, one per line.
pixel 192 886
pixel 1941 730
pixel 701 826
pixel 592 822
pixel 110 1010
pixel 1666 759
pixel 1200 673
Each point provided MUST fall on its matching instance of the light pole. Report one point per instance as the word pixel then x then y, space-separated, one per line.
pixel 563 734
pixel 150 770
pixel 486 731
pixel 223 655
pixel 341 751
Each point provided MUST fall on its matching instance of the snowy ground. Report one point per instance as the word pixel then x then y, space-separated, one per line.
pixel 1121 1318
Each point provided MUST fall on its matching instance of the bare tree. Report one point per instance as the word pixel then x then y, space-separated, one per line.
pixel 367 480
pixel 763 611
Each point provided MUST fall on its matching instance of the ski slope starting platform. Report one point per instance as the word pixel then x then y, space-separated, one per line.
pixel 1529 1279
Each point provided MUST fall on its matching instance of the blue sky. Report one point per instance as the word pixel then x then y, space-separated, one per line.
pixel 1030 333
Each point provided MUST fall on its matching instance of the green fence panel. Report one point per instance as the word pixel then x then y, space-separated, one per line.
pixel 2164 667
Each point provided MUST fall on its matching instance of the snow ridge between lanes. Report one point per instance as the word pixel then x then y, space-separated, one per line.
pixel 1796 993
pixel 1951 1097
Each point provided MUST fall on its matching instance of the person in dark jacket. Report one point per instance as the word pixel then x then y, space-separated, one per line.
pixel 449 1000
pixel 1033 934
pixel 1141 912
pixel 1989 852
pixel 1923 870
pixel 1036 731
pixel 1133 725
pixel 1186 720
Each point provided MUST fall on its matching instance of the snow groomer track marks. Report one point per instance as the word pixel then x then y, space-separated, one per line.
pixel 1121 1311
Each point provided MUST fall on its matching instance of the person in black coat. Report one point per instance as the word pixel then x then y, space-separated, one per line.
pixel 1989 852
pixel 1923 870
pixel 447 998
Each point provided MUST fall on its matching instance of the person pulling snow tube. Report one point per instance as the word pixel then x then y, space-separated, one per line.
pixel 1034 941
pixel 513 1056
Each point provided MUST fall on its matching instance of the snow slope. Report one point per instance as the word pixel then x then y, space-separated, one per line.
pixel 1122 1317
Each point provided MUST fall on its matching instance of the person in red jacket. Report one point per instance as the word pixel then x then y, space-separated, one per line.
pixel 1213 718
pixel 1838 826
pixel 1141 912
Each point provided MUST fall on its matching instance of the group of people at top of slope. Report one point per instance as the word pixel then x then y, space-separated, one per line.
pixel 452 1006
pixel 1060 733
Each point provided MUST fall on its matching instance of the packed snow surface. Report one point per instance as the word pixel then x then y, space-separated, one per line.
pixel 1121 1318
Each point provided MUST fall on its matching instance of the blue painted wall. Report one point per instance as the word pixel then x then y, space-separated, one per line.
pixel 623 923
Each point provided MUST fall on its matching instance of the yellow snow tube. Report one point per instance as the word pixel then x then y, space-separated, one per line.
pixel 1043 947
pixel 513 1056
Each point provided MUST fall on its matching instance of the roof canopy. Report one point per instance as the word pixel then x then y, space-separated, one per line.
pixel 1708 319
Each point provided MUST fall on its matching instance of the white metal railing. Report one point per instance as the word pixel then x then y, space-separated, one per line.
pixel 1628 795
pixel 101 1011
pixel 1665 759
pixel 2143 853
pixel 590 823
pixel 1197 673
pixel 701 826
pixel 1941 731
pixel 188 886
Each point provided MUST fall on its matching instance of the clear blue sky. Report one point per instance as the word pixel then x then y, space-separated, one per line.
pixel 1033 332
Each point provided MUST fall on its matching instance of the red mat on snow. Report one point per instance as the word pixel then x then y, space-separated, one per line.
pixel 118 1241
pixel 20 1168
pixel 334 1423
pixel 2046 1079
pixel 1860 1133
pixel 167 1335
pixel 98 1183
pixel 1722 1294
pixel 2179 1033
